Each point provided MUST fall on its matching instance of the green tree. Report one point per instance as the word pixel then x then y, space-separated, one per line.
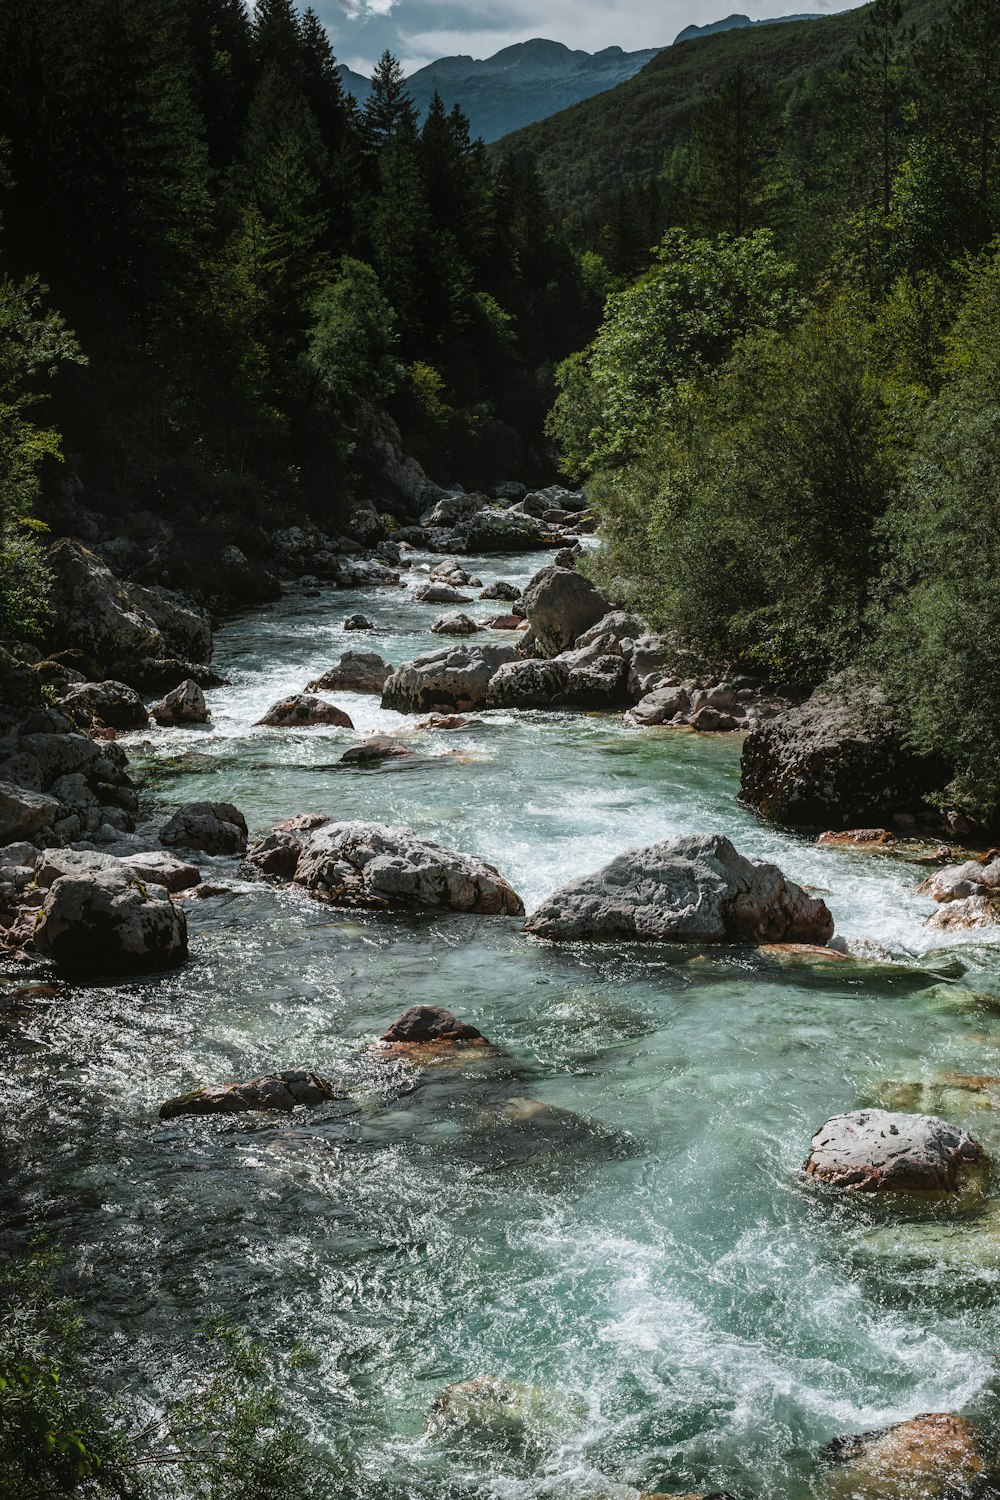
pixel 734 142
pixel 351 350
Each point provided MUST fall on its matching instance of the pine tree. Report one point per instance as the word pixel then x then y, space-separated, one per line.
pixel 388 108
pixel 734 142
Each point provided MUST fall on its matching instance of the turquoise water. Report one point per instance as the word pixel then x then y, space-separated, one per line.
pixel 692 1314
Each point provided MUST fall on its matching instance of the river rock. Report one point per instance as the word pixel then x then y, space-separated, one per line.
pixel 449 570
pixel 561 605
pixel 295 1088
pixel 453 507
pixel 303 711
pixel 457 677
pixel 440 593
pixel 957 882
pixel 160 674
pixel 240 582
pixel 938 1456
pixel 364 573
pixel 358 622
pixel 527 684
pixel 697 889
pixel 24 813
pixel 355 672
pixel 213 827
pixel 183 705
pixel 493 1412
pixel 370 864
pixel 664 706
pixel 113 704
pixel 110 921
pixel 965 915
pixel 501 590
pixel 93 611
pixel 875 1150
pixel 186 628
pixel 503 622
pixel 455 623
pixel 836 761
pixel 602 683
pixel 377 747
pixel 430 1025
pixel 442 721
pixel 502 531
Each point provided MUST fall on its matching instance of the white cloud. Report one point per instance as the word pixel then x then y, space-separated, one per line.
pixel 363 10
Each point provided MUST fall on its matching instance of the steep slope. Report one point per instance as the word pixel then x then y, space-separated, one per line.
pixel 516 86
pixel 596 147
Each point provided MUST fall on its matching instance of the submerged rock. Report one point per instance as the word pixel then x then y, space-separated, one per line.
pixel 938 1456
pixel 696 889
pixel 110 921
pixel 355 672
pixel 213 827
pixel 294 1088
pixel 303 711
pixel 457 677
pixel 184 705
pixel 875 1150
pixel 370 864
pixel 442 721
pixel 495 1412
pixel 377 747
pixel 561 605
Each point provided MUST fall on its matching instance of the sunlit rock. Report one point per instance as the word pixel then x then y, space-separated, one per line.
pixel 440 593
pixel 371 864
pixel 876 1150
pixel 455 623
pixel 561 605
pixel 377 747
pixel 183 705
pixel 454 678
pixel 109 920
pixel 696 889
pixel 938 1456
pixel 494 1413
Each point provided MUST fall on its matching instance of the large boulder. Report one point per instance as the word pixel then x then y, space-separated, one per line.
pixel 184 704
pixel 601 683
pixel 695 890
pixel 303 711
pixel 355 672
pixel 452 508
pixel 20 690
pixel 875 1150
pixel 295 1088
pixel 24 813
pixel 937 1456
pixel 531 683
pixel 663 706
pixel 501 531
pixel 562 604
pixel 110 704
pixel 501 590
pixel 835 761
pixel 370 864
pixel 94 612
pixel 212 827
pixel 959 882
pixel 186 629
pixel 109 921
pixel 457 677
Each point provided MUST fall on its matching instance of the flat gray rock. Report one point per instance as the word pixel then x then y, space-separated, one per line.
pixel 876 1150
pixel 685 890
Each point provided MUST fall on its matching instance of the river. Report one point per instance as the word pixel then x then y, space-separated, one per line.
pixel 689 1312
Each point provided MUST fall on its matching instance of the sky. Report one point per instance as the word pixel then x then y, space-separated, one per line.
pixel 418 31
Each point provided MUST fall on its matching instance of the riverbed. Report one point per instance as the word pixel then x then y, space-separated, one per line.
pixel 683 1310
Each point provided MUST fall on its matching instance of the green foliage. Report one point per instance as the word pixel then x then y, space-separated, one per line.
pixel 749 524
pixel 350 351
pixel 224 1438
pixel 942 579
pixel 34 342
pixel 678 321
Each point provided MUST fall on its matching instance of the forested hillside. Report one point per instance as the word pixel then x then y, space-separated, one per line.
pixel 251 270
pixel 624 138
pixel 790 424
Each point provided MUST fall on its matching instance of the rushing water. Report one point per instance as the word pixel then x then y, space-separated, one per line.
pixel 687 1312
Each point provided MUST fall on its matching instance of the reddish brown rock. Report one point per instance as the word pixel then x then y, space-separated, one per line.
pixel 291 1089
pixel 938 1456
